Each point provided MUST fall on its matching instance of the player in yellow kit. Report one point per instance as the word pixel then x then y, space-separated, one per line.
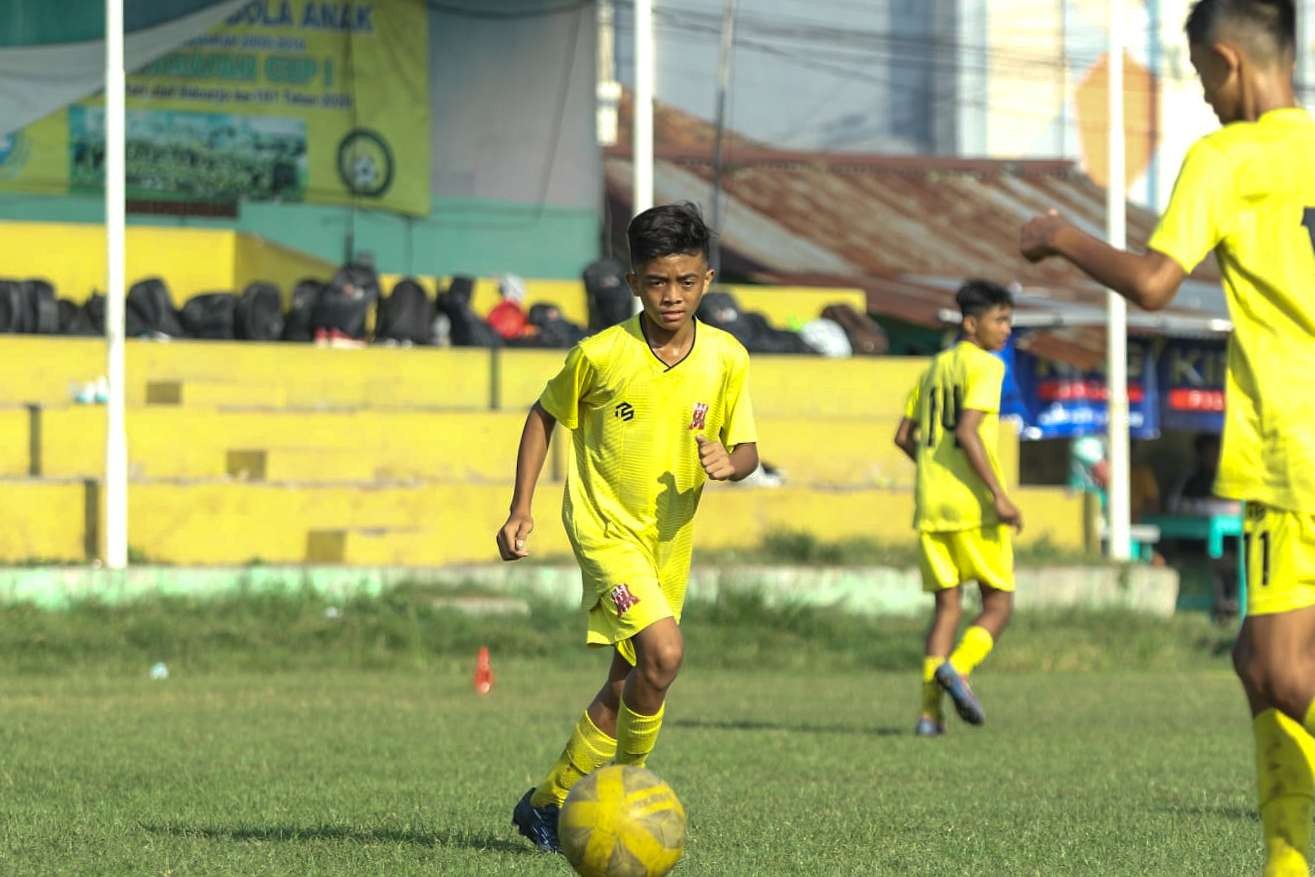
pixel 656 405
pixel 1247 193
pixel 949 429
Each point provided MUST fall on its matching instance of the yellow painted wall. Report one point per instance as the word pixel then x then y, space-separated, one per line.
pixel 42 520
pixel 44 370
pixel 228 522
pixel 14 447
pixel 191 260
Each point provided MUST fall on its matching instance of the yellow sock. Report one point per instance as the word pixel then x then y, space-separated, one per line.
pixel 587 750
pixel 931 692
pixel 636 735
pixel 1285 753
pixel 972 650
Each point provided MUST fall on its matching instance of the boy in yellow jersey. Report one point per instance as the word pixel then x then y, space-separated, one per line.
pixel 1247 192
pixel 963 514
pixel 656 405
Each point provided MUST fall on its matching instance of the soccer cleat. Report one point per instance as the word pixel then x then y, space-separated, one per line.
pixel 928 727
pixel 965 702
pixel 539 824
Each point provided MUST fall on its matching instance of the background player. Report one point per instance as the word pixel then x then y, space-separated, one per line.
pixel 949 430
pixel 1247 192
pixel 654 404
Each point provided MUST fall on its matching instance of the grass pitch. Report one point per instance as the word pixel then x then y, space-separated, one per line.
pixel 796 770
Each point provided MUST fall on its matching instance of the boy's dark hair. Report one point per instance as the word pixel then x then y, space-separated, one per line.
pixel 667 230
pixel 976 297
pixel 1269 26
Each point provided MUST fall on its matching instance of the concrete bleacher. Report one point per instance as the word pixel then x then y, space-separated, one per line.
pixel 293 453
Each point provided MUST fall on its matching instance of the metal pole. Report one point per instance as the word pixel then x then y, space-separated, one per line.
pixel 1117 347
pixel 645 70
pixel 723 85
pixel 116 445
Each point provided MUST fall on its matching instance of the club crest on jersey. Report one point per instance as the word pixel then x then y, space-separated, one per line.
pixel 700 414
pixel 622 599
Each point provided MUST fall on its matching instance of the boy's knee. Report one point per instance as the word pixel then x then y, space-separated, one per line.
pixel 661 661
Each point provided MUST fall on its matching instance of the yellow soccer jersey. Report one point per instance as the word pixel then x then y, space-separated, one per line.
pixel 950 495
pixel 1247 191
pixel 635 476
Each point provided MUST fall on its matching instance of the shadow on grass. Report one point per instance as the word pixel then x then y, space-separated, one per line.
pixel 754 725
pixel 295 833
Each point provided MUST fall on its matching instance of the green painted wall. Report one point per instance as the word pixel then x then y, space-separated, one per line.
pixel 466 236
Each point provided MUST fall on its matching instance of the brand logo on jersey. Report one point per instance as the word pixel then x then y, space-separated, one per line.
pixel 625 411
pixel 700 414
pixel 622 599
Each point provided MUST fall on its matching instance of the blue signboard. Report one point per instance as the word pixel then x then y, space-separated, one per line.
pixel 1192 375
pixel 1056 400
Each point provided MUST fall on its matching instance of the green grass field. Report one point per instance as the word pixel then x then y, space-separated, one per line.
pixel 1116 745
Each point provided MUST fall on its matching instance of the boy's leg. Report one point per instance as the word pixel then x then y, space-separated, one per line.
pixel 659 651
pixel 1273 658
pixel 940 578
pixel 592 744
pixel 940 639
pixel 982 635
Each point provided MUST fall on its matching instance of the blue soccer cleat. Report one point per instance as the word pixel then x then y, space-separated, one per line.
pixel 965 702
pixel 928 727
pixel 539 824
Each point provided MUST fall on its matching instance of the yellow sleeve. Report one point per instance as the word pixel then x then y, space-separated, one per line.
pixel 739 427
pixel 984 382
pixel 1200 208
pixel 563 394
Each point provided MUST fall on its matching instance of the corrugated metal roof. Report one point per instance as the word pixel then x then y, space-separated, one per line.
pixel 907 229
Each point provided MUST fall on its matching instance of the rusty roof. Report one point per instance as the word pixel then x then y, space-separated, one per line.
pixel 907 229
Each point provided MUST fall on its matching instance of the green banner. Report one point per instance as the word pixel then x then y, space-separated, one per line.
pixel 289 100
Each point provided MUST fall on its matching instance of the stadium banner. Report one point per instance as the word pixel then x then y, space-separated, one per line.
pixel 1192 375
pixel 286 100
pixel 1056 400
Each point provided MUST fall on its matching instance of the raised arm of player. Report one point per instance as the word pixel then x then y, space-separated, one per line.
pixel 533 451
pixel 971 442
pixel 1149 280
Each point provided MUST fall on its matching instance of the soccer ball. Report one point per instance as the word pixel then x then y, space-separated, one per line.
pixel 622 821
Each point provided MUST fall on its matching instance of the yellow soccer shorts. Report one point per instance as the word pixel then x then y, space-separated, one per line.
pixel 1280 561
pixel 982 554
pixel 625 592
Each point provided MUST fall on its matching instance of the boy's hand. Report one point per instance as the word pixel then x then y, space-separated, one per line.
pixel 714 459
pixel 1036 241
pixel 513 536
pixel 1008 512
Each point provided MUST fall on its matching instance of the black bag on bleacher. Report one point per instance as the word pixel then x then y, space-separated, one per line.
pixel 209 315
pixel 344 305
pixel 75 319
pixel 467 329
pixel 608 294
pixel 13 308
pixel 260 313
pixel 555 331
pixel 42 307
pixel 297 326
pixel 406 315
pixel 150 310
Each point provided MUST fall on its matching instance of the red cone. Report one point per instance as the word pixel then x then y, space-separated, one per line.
pixel 483 672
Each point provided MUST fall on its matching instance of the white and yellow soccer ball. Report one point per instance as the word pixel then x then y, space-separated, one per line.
pixel 622 821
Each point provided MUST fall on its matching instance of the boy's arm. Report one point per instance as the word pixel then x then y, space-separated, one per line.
pixel 906 437
pixel 722 465
pixel 529 463
pixel 1149 280
pixel 971 442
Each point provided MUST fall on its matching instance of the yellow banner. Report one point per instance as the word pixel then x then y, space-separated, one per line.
pixel 289 100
